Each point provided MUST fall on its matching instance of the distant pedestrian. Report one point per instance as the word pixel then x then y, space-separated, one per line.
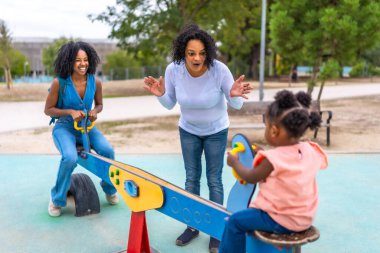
pixel 294 75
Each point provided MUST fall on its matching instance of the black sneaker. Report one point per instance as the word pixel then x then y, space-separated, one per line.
pixel 213 246
pixel 187 236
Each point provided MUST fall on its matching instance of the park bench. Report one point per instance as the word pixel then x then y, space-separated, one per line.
pixel 256 111
pixel 284 79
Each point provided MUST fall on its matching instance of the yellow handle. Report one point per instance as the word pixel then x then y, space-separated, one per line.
pixel 238 148
pixel 76 127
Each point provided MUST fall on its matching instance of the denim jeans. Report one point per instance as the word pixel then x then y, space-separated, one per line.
pixel 214 147
pixel 65 138
pixel 234 235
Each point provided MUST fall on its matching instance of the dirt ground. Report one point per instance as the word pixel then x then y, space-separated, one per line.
pixel 355 126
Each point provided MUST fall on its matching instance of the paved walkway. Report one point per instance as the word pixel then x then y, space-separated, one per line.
pixel 29 115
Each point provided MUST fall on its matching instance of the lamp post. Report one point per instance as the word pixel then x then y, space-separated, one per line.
pixel 262 48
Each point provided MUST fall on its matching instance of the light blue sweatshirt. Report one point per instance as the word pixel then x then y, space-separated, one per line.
pixel 202 99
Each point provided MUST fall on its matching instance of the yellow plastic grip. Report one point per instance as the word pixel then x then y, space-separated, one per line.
pixel 238 148
pixel 76 127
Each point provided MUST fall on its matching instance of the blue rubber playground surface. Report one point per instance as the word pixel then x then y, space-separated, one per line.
pixel 348 216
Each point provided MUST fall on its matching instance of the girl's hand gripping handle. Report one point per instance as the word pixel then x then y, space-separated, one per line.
pixel 238 148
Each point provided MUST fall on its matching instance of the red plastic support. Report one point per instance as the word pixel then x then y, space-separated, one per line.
pixel 138 241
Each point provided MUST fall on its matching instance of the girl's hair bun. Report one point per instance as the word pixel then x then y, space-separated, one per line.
pixel 304 99
pixel 285 99
pixel 315 120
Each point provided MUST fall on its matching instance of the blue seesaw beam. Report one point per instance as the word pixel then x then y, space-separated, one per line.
pixel 179 204
pixel 172 200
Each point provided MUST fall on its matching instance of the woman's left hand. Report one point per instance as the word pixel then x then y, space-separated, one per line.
pixel 239 89
pixel 92 115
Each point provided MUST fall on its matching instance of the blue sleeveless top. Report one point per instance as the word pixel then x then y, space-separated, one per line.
pixel 72 100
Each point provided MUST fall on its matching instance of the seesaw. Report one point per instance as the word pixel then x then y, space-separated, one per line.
pixel 143 191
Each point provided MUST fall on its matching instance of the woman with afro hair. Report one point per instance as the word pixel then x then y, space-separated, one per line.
pixel 287 200
pixel 77 88
pixel 202 86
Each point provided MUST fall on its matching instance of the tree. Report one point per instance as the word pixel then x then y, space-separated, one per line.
pixel 313 32
pixel 372 56
pixel 19 68
pixel 50 53
pixel 6 51
pixel 239 35
pixel 146 28
pixel 234 24
pixel 117 63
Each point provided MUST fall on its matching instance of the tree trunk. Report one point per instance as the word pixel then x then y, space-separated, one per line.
pixel 255 56
pixel 8 77
pixel 320 91
pixel 313 80
pixel 274 65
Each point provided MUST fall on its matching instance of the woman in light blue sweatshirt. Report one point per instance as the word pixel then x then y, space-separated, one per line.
pixel 202 86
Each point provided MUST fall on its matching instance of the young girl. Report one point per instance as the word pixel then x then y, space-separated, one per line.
pixel 288 196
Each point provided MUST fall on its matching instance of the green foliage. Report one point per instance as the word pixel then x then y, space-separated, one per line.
pixel 145 28
pixel 358 70
pixel 121 59
pixel 329 70
pixel 238 66
pixel 238 35
pixel 364 69
pixel 6 51
pixel 320 28
pixel 5 43
pixel 374 71
pixel 117 63
pixel 372 55
pixel 313 32
pixel 50 53
pixel 234 24
pixel 18 63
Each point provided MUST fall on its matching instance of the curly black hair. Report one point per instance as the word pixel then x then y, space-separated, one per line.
pixel 292 111
pixel 64 62
pixel 193 32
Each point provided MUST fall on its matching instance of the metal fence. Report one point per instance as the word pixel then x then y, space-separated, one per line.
pixel 134 72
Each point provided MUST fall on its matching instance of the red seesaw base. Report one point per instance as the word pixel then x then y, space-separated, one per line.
pixel 138 241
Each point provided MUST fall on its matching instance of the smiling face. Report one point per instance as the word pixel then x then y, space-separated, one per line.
pixel 195 56
pixel 81 63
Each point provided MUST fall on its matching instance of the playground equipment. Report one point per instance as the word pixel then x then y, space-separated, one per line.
pixel 142 191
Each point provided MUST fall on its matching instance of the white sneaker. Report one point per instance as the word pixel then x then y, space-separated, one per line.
pixel 112 199
pixel 54 210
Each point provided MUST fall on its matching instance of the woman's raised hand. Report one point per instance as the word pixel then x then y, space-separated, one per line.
pixel 154 86
pixel 239 89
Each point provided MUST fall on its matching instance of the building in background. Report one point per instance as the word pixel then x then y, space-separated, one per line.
pixel 32 49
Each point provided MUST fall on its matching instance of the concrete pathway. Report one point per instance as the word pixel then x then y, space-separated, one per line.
pixel 29 115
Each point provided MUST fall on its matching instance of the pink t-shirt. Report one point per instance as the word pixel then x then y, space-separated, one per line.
pixel 290 194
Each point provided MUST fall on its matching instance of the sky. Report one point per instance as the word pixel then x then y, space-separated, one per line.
pixel 54 18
